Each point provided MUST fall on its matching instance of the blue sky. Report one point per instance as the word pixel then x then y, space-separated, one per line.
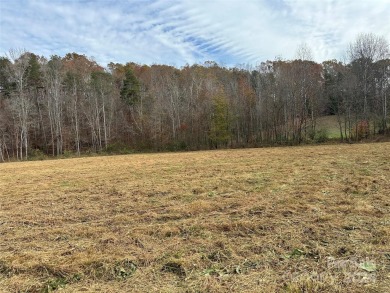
pixel 174 32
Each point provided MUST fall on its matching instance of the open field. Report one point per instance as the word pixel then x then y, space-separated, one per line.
pixel 298 219
pixel 330 125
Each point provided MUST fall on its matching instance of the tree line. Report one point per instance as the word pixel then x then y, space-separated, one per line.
pixel 71 104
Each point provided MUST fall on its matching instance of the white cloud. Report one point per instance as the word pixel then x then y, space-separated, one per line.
pixel 178 32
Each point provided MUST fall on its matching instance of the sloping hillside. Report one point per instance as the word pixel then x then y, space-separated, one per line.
pixel 298 219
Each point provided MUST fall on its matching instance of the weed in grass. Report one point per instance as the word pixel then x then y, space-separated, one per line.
pixel 5 270
pixel 101 270
pixel 174 268
pixel 295 253
pixel 54 284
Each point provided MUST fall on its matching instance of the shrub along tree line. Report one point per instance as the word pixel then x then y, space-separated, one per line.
pixel 71 104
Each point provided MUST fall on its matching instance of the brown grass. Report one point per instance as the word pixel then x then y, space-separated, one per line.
pixel 298 219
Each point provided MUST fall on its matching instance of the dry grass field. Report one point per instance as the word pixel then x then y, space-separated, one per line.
pixel 298 219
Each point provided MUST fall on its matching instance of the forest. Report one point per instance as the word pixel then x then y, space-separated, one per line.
pixel 71 105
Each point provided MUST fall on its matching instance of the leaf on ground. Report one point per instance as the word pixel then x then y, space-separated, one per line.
pixel 295 253
pixel 125 269
pixel 368 266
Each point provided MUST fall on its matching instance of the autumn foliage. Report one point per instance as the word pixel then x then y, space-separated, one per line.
pixel 71 104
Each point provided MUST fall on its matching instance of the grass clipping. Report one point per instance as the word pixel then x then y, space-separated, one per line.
pixel 298 219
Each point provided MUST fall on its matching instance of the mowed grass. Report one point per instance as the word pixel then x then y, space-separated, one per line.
pixel 330 125
pixel 298 219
